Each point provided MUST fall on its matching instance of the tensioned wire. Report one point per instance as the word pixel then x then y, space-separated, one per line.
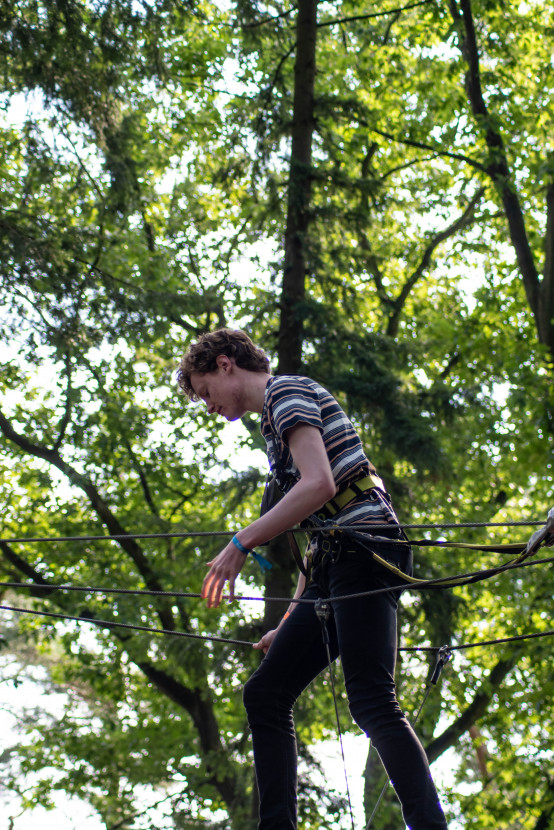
pixel 437 582
pixel 215 638
pixel 233 641
pixel 526 550
pixel 181 594
pixel 441 582
pixel 189 534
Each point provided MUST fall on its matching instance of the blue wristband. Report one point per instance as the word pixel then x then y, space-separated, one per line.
pixel 240 546
pixel 262 562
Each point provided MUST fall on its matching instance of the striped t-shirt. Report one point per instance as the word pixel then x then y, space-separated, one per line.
pixel 291 400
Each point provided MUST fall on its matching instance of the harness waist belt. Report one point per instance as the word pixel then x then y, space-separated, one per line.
pixel 362 485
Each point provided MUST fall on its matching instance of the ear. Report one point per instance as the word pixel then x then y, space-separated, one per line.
pixel 224 362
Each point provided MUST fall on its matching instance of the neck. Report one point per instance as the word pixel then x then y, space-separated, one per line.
pixel 254 389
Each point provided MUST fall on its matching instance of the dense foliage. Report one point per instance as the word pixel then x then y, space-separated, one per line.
pixel 370 192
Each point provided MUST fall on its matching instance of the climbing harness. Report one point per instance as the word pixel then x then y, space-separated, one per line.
pixel 344 497
pixel 544 535
pixel 273 494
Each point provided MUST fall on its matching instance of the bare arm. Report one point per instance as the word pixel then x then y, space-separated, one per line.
pixel 315 487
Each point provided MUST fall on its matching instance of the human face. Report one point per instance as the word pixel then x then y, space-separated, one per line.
pixel 220 391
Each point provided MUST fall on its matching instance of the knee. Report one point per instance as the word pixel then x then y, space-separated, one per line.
pixel 377 715
pixel 249 693
pixel 256 693
pixel 266 696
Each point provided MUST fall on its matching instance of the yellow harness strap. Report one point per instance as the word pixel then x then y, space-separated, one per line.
pixel 447 581
pixel 345 496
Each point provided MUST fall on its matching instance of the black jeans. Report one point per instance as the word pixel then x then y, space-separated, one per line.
pixel 363 632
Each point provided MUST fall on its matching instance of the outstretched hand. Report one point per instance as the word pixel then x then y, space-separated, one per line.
pixel 225 567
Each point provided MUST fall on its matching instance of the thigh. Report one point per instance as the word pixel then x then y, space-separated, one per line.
pixel 366 625
pixel 298 653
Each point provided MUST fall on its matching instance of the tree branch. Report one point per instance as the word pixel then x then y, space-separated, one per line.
pixel 148 497
pixel 100 507
pixel 375 271
pixel 37 247
pixel 265 20
pixel 66 419
pixel 497 166
pixel 390 24
pixel 420 145
pixel 385 13
pixel 461 222
pixel 475 710
pixel 268 91
pixel 197 702
pixel 23 567
pixel 545 315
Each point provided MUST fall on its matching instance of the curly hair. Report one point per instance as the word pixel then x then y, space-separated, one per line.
pixel 201 356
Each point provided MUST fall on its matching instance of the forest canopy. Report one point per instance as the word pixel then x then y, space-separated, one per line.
pixel 368 190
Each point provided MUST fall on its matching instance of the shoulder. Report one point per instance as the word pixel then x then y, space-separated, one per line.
pixel 285 384
pixel 293 399
pixel 285 390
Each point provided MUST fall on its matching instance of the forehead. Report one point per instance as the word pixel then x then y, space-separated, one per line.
pixel 202 382
pixel 197 381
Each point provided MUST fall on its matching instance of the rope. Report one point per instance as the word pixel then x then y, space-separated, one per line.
pixel 110 624
pixel 311 529
pixel 323 612
pixel 544 535
pixel 438 582
pixel 448 582
pixel 217 639
pixel 500 640
pixel 47 587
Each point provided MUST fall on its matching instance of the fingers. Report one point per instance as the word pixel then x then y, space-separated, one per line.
pixel 224 568
pixel 212 589
pixel 265 642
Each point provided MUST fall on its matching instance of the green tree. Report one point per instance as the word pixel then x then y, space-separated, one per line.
pixel 400 159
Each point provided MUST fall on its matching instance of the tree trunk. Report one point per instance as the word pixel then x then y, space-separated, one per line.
pixel 299 192
pixel 545 314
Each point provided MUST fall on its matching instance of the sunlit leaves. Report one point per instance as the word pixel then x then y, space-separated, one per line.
pixel 144 191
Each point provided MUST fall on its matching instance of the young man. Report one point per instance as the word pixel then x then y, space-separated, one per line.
pixel 318 461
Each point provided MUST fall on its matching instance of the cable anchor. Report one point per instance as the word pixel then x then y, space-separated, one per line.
pixel 444 655
pixel 544 534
